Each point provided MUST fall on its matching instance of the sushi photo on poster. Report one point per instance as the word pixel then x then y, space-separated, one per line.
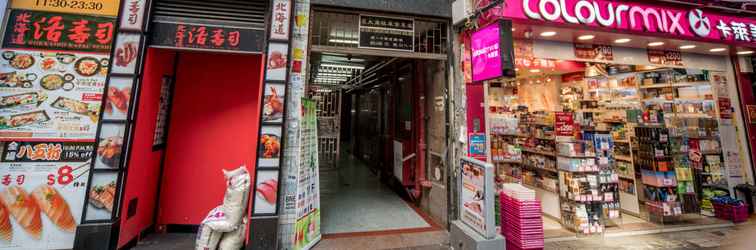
pixel 110 146
pixel 273 105
pixel 270 146
pixel 266 192
pixel 42 188
pixel 117 102
pixel 102 196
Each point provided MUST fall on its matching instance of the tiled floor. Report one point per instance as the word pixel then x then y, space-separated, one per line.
pixel 434 240
pixel 359 202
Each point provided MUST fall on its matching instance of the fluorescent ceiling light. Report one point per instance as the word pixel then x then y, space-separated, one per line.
pixel 334 74
pixel 622 40
pixel 690 46
pixel 548 33
pixel 655 44
pixel 344 41
pixel 717 49
pixel 586 37
pixel 535 70
pixel 343 66
pixel 746 52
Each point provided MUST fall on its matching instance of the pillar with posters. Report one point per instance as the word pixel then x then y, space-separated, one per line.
pixel 54 67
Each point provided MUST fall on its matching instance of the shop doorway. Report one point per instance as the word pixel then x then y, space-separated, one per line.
pixel 198 114
pixel 363 125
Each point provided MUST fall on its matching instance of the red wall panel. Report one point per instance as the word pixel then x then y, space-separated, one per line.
pixel 213 126
pixel 144 164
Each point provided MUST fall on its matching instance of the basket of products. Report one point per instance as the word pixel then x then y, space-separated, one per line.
pixel 728 208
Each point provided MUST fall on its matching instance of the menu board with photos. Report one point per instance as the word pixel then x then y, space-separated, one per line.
pixel 54 64
pixel 51 95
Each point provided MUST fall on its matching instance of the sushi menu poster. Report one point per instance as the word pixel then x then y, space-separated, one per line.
pixel 41 196
pixel 51 95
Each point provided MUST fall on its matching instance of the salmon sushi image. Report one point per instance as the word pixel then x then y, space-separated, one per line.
pixel 55 207
pixel 24 209
pixel 6 231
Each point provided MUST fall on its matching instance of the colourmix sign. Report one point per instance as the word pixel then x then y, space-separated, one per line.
pixel 618 16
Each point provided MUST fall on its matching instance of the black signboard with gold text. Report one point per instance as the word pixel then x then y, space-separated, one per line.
pixel 378 32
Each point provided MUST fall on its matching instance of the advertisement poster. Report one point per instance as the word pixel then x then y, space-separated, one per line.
pixel 665 57
pixel 126 52
pixel 273 105
pixel 725 108
pixel 476 198
pixel 50 95
pixel 307 227
pixel 486 56
pixel 266 192
pixel 119 98
pixel 564 124
pixel 270 146
pixel 100 203
pixel 110 146
pixel 42 187
pixel 477 143
pixel 590 51
pixel 379 32
pixel 133 15
pixel 278 54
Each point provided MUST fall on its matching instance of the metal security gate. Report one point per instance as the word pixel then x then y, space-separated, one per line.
pixel 328 101
pixel 240 13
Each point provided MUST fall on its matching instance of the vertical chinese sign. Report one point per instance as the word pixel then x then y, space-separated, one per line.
pixel 268 183
pixel 54 66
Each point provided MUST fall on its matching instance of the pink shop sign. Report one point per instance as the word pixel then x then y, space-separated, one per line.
pixel 486 53
pixel 672 22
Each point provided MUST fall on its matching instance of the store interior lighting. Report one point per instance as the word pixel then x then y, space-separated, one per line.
pixel 690 46
pixel 344 66
pixel 655 44
pixel 548 33
pixel 586 37
pixel 745 52
pixel 717 49
pixel 622 40
pixel 343 41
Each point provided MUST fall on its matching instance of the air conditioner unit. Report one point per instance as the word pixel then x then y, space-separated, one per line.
pixel 461 10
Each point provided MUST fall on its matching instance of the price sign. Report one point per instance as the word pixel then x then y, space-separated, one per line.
pixel 665 57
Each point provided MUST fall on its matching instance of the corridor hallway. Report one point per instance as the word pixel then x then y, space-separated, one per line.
pixel 354 201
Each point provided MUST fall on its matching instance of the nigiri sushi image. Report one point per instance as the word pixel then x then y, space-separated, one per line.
pixel 24 209
pixel 6 231
pixel 103 196
pixel 55 207
pixel 268 190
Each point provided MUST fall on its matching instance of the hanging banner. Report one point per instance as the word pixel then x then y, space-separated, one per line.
pixel 379 32
pixel 307 227
pixel 55 31
pixel 87 7
pixel 206 37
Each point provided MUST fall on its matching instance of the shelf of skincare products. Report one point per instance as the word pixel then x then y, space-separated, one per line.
pixel 505 150
pixel 537 161
pixel 584 219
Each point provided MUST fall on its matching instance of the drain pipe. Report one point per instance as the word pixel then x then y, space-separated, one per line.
pixel 421 181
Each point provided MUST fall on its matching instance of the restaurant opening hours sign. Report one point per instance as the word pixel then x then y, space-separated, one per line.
pixel 87 7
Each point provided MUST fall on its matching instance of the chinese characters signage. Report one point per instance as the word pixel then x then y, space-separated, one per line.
pixel 90 7
pixel 47 151
pixel 133 14
pixel 665 57
pixel 207 37
pixel 680 23
pixel 378 32
pixel 279 27
pixel 45 30
pixel 594 52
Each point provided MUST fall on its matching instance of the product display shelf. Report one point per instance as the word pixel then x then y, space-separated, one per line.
pixel 590 197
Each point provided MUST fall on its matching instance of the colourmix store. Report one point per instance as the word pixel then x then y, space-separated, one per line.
pixel 619 115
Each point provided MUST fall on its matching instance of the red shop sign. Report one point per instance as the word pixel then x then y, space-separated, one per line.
pixel 564 124
pixel 45 30
pixel 207 37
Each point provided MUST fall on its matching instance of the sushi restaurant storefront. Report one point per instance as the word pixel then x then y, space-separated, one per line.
pixel 117 118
